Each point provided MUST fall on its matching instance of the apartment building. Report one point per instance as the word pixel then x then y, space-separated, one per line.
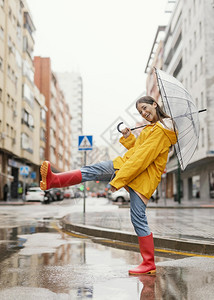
pixel 189 56
pixel 155 60
pixel 20 103
pixel 72 87
pixel 58 117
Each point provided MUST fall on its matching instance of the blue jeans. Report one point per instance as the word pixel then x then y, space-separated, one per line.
pixel 104 171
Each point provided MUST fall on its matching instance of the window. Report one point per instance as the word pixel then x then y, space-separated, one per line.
pixel 28 95
pixel 42 134
pixel 27 71
pixel 190 79
pixel 190 47
pixel 202 100
pixel 1 33
pixel 26 142
pixel 200 30
pixel 196 72
pixel 42 153
pixel 195 39
pixel 202 137
pixel 2 3
pixel 194 5
pixel 43 115
pixel 196 186
pixel 189 15
pixel 211 184
pixel 8 129
pixel 201 65
pixel 25 115
pixel 27 119
pixel 8 99
pixel 186 83
pixel 1 63
pixel 18 59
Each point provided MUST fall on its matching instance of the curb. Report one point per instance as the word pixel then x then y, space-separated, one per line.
pixel 126 237
pixel 171 207
pixel 11 203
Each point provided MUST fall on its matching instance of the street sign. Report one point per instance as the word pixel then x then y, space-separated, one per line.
pixel 24 170
pixel 33 175
pixel 85 142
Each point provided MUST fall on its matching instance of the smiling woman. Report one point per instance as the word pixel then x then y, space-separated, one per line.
pixel 138 171
pixel 150 110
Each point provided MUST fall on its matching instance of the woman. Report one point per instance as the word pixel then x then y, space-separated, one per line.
pixel 139 171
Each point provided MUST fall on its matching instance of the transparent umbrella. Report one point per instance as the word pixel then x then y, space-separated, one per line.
pixel 180 106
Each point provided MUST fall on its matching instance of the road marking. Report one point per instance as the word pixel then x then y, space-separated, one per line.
pixel 131 245
pixel 55 226
pixel 159 249
pixel 183 253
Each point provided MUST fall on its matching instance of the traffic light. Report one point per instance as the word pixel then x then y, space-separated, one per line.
pixel 81 187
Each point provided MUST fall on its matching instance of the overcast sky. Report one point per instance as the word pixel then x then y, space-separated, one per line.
pixel 108 42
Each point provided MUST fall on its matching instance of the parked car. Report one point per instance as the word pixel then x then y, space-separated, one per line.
pixel 101 194
pixel 54 194
pixel 58 194
pixel 119 196
pixel 68 194
pixel 34 194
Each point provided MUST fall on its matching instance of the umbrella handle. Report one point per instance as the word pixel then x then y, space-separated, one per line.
pixel 118 127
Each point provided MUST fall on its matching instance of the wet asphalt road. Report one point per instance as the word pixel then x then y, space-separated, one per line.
pixel 39 261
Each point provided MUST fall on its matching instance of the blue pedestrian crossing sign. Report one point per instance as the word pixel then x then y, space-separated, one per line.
pixel 85 142
pixel 24 170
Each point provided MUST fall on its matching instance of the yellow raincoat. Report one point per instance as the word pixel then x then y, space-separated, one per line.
pixel 143 164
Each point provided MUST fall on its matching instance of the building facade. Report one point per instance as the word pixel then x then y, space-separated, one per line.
pixel 20 103
pixel 189 56
pixel 71 84
pixel 58 117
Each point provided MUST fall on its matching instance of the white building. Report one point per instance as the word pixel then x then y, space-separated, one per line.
pixel 71 85
pixel 189 56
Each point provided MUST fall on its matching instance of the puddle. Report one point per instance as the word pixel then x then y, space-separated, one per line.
pixel 39 262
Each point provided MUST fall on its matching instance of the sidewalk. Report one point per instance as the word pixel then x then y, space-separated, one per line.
pixel 180 227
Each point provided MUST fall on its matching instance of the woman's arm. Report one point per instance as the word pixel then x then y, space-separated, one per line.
pixel 128 139
pixel 141 158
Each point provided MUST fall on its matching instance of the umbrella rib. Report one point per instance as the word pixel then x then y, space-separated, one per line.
pixel 186 131
pixel 183 88
pixel 190 148
pixel 181 99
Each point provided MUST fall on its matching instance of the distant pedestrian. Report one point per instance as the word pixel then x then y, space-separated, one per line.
pixel 20 190
pixel 139 171
pixel 5 191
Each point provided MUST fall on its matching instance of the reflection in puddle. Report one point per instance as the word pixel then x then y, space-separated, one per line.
pixel 41 263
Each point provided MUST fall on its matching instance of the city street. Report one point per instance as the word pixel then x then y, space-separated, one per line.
pixel 39 261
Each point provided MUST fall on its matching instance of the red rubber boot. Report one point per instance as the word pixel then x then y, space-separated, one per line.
pixel 53 180
pixel 146 244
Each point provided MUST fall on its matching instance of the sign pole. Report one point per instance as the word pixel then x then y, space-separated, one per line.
pixel 84 184
pixel 24 187
pixel 85 143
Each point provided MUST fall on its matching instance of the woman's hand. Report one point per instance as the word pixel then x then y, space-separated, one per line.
pixel 113 189
pixel 126 132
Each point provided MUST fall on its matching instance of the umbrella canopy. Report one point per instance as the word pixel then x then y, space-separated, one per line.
pixel 180 106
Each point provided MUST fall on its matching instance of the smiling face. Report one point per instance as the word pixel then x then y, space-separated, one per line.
pixel 148 111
